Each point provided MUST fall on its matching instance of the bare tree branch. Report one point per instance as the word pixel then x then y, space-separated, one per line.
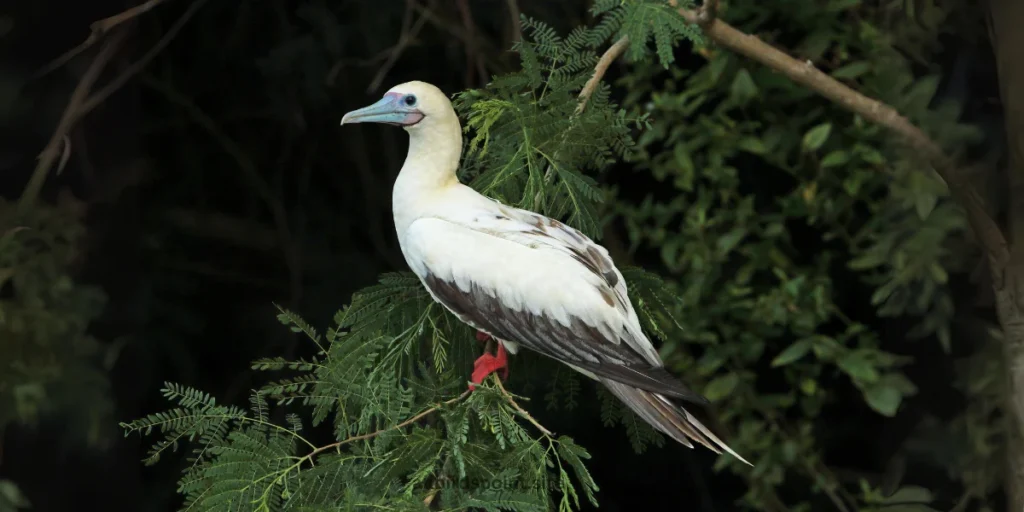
pixel 513 13
pixel 137 66
pixel 707 12
pixel 1003 19
pixel 484 45
pixel 67 120
pixel 473 56
pixel 1008 42
pixel 408 34
pixel 99 29
pixel 613 52
pixel 82 102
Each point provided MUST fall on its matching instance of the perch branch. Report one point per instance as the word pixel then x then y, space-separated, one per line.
pixel 804 73
pixel 512 401
pixel 376 433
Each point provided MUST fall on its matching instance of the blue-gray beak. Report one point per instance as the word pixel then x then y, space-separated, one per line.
pixel 389 110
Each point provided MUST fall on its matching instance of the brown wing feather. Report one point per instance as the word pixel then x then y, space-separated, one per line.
pixel 671 419
pixel 578 344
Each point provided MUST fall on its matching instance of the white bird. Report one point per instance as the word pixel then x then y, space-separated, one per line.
pixel 520 277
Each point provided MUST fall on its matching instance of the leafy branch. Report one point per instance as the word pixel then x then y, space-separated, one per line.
pixel 956 177
pixel 376 433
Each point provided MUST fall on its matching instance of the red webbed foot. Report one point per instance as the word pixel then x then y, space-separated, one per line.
pixel 488 364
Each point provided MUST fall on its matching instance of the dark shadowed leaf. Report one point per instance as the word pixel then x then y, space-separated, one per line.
pixel 721 386
pixel 792 353
pixel 815 137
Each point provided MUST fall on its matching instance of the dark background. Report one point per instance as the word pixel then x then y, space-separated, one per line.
pixel 217 182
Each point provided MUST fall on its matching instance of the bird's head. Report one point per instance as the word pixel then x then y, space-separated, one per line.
pixel 412 105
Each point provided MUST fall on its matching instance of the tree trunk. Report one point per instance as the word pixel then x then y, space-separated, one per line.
pixel 1005 19
pixel 1010 306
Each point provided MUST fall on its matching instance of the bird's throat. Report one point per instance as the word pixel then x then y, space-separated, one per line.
pixel 428 172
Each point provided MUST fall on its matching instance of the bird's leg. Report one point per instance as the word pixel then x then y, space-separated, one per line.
pixel 487 364
pixel 502 355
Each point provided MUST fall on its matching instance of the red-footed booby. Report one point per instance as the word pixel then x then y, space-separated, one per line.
pixel 520 277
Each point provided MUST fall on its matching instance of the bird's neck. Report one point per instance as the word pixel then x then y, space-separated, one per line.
pixel 428 172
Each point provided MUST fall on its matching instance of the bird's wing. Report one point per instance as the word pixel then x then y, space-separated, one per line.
pixel 536 282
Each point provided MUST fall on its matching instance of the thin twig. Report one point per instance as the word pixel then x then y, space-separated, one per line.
pixel 472 55
pixel 515 405
pixel 396 50
pixel 408 34
pixel 401 425
pixel 137 66
pixel 99 29
pixel 483 44
pixel 832 496
pixel 513 12
pixel 81 102
pixel 70 116
pixel 613 52
pixel 956 178
pixel 962 503
pixel 332 76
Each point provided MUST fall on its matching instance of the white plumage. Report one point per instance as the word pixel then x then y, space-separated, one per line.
pixel 525 279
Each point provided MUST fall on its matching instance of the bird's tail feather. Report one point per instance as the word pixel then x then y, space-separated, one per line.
pixel 668 417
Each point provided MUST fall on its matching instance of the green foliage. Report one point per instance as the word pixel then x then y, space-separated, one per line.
pixel 404 436
pixel 49 367
pixel 529 144
pixel 904 499
pixel 980 376
pixel 757 304
pixel 642 21
pixel 11 499
pixel 531 141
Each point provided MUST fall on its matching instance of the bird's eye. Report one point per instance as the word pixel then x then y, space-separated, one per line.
pixel 410 100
